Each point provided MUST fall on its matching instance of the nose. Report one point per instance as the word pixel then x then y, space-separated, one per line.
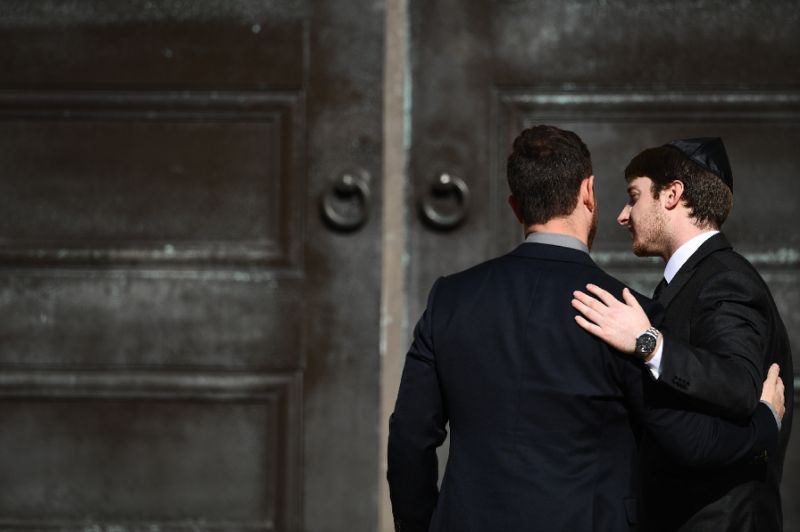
pixel 624 215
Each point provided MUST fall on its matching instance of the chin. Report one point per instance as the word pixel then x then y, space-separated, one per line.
pixel 640 250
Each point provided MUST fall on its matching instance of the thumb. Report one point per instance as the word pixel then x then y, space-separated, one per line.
pixel 629 299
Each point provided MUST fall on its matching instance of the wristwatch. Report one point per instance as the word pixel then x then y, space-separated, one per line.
pixel 646 342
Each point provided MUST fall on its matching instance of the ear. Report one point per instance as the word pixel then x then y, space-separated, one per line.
pixel 512 201
pixel 586 194
pixel 672 195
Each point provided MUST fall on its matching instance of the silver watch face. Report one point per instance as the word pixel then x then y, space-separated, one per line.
pixel 646 344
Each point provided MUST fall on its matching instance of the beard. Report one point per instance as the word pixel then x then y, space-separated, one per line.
pixel 650 234
pixel 640 249
pixel 592 230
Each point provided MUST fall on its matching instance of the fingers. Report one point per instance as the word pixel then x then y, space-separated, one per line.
pixel 589 326
pixel 780 398
pixel 629 298
pixel 588 300
pixel 610 300
pixel 586 309
pixel 773 374
pixel 601 294
pixel 774 390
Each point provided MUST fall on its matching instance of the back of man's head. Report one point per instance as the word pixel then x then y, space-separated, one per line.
pixel 545 171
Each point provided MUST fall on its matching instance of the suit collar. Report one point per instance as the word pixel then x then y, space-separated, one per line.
pixel 684 253
pixel 537 250
pixel 716 243
pixel 557 239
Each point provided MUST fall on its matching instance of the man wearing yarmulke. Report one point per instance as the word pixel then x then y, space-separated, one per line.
pixel 721 333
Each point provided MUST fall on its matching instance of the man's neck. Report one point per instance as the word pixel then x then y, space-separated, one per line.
pixel 685 252
pixel 556 239
pixel 560 226
pixel 684 235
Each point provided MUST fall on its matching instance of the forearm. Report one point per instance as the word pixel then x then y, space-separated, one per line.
pixel 714 442
pixel 694 439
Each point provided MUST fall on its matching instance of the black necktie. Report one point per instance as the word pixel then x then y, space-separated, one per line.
pixel 660 288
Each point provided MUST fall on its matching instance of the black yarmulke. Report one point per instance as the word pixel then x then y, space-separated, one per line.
pixel 708 152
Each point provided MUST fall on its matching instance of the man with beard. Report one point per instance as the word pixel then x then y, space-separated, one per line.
pixel 720 334
pixel 544 418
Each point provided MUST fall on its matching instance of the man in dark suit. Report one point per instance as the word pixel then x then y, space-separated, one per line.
pixel 544 418
pixel 721 333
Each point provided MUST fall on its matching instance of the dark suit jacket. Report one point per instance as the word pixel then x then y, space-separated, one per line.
pixel 544 418
pixel 722 331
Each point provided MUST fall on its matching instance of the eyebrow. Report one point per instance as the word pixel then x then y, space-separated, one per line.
pixel 632 189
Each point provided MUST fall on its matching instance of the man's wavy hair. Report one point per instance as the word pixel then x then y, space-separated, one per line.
pixel 706 196
pixel 545 171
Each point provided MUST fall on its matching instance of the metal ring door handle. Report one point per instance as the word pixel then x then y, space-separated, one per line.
pixel 445 187
pixel 345 205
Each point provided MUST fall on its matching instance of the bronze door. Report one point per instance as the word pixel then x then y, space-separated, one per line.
pixel 187 342
pixel 185 345
pixel 625 76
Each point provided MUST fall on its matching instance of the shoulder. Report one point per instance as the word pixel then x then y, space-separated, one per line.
pixel 615 287
pixel 471 274
pixel 727 275
pixel 721 257
pixel 728 260
pixel 729 266
pixel 460 283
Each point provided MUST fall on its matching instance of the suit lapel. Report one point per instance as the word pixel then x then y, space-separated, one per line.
pixel 713 244
pixel 672 289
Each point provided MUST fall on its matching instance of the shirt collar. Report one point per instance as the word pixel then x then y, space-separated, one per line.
pixel 683 253
pixel 557 239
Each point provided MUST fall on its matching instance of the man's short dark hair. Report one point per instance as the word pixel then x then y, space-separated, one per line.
pixel 708 198
pixel 545 171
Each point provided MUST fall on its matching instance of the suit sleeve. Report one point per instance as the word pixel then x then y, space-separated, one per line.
pixel 723 366
pixel 416 429
pixel 693 439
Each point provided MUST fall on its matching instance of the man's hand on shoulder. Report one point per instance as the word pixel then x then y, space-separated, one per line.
pixel 773 394
pixel 618 323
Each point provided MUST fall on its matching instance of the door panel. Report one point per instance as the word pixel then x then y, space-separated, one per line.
pixel 149 44
pixel 175 350
pixel 160 449
pixel 625 76
pixel 226 160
